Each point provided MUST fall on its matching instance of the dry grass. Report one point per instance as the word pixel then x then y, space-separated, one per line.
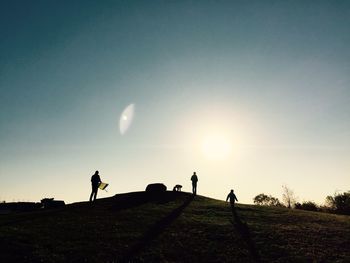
pixel 205 231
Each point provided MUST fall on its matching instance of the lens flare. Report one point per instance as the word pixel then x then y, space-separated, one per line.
pixel 126 118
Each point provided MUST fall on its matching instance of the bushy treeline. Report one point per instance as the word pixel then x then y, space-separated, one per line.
pixel 339 203
pixel 307 205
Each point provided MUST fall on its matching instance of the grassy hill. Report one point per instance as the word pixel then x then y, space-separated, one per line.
pixel 178 228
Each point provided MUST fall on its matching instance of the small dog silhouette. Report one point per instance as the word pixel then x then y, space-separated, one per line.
pixel 177 188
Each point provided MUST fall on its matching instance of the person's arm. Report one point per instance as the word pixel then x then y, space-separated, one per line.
pixel 227 198
pixel 236 198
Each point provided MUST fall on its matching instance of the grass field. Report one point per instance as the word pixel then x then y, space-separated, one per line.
pixel 179 228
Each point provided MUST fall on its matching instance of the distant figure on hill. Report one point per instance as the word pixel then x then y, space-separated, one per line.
pixel 95 182
pixel 232 198
pixel 194 180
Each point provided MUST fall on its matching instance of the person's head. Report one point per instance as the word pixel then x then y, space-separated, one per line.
pixel 194 173
pixel 231 190
pixel 96 173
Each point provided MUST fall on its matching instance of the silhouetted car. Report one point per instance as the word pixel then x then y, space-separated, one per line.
pixel 156 188
pixel 51 203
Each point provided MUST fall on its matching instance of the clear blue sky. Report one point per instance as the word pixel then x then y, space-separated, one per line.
pixel 270 79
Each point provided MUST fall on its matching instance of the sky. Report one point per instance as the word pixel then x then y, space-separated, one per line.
pixel 251 95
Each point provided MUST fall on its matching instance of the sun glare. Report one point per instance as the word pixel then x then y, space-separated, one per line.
pixel 126 118
pixel 216 147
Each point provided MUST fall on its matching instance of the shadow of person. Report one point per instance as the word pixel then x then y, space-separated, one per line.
pixel 155 230
pixel 243 229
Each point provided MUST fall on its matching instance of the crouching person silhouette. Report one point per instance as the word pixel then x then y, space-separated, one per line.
pixel 177 188
pixel 95 182
pixel 232 198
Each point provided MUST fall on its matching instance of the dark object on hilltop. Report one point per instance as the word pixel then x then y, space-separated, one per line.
pixel 95 182
pixel 194 180
pixel 51 203
pixel 177 188
pixel 156 188
pixel 156 193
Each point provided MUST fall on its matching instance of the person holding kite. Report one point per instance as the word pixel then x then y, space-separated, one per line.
pixel 95 182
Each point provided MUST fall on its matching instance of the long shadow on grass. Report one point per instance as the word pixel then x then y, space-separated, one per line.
pixel 243 229
pixel 155 230
pixel 131 200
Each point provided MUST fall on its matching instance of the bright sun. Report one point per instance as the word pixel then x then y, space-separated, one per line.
pixel 216 147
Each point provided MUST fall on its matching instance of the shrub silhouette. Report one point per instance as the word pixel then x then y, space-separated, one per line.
pixel 308 205
pixel 267 200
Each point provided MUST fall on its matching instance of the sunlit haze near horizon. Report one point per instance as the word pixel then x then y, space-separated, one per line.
pixel 251 95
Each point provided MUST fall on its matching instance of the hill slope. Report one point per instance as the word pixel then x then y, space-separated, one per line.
pixel 177 228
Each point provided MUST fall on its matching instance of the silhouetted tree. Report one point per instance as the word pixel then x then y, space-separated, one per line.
pixel 268 200
pixel 340 203
pixel 260 199
pixel 330 203
pixel 288 196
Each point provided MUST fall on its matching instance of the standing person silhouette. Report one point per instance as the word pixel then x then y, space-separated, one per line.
pixel 232 198
pixel 95 182
pixel 194 180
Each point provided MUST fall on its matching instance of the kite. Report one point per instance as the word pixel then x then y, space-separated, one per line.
pixel 103 186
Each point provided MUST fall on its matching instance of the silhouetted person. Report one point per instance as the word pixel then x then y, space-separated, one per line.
pixel 232 198
pixel 95 182
pixel 194 180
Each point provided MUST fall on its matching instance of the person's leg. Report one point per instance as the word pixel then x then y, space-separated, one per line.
pixel 92 194
pixel 95 196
